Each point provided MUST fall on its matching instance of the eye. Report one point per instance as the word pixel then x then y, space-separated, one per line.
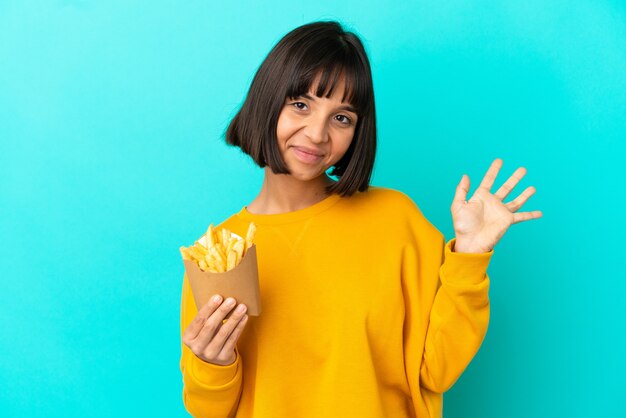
pixel 346 120
pixel 297 105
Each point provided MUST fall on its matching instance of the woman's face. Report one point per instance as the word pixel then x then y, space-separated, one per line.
pixel 314 133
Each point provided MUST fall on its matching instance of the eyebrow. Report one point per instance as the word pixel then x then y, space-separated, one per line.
pixel 344 107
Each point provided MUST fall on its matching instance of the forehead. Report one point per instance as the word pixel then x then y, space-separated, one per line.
pixel 335 89
pixel 345 86
pixel 332 89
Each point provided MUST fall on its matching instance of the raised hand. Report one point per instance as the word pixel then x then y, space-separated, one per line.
pixel 480 222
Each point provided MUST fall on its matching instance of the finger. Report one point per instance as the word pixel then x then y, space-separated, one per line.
pixel 508 185
pixel 492 173
pixel 460 196
pixel 227 327
pixel 214 349
pixel 191 332
pixel 515 204
pixel 230 343
pixel 526 216
pixel 212 324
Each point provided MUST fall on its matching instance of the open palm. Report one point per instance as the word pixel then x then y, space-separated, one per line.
pixel 480 222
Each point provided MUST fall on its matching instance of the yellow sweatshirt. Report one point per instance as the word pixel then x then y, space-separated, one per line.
pixel 366 312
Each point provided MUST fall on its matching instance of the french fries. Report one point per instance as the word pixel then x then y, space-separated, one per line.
pixel 222 251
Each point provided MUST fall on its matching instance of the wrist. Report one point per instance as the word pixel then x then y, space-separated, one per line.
pixel 464 246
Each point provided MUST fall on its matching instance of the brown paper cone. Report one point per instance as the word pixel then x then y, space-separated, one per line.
pixel 241 283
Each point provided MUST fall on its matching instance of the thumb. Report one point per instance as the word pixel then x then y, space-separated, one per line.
pixel 461 190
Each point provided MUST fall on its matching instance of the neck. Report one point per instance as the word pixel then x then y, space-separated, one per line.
pixel 282 193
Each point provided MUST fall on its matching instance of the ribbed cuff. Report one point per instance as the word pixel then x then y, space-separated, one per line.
pixel 469 268
pixel 214 375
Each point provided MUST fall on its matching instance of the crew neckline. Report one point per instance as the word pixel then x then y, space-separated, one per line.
pixel 293 216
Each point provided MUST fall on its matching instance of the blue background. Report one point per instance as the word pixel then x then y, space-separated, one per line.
pixel 111 158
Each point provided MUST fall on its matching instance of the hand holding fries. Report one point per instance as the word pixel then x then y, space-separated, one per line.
pixel 209 337
pixel 213 334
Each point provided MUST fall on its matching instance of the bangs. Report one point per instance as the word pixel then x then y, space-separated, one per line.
pixel 330 66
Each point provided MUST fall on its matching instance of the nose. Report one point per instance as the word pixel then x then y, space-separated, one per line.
pixel 316 129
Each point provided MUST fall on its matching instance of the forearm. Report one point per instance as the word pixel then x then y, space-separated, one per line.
pixel 209 390
pixel 459 319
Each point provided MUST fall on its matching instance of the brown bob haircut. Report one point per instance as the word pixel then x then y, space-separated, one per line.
pixel 317 48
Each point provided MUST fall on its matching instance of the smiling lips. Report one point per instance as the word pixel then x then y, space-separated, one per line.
pixel 307 155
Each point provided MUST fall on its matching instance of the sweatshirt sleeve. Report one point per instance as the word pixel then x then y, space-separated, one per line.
pixel 446 306
pixel 458 320
pixel 209 390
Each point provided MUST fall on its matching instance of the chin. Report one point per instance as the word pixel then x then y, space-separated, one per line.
pixel 307 175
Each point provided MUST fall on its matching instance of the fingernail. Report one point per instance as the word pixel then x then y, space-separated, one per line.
pixel 230 302
pixel 241 308
pixel 216 298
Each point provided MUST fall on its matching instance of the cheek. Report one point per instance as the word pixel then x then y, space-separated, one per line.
pixel 284 129
pixel 346 140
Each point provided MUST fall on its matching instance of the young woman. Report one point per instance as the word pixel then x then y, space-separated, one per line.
pixel 367 310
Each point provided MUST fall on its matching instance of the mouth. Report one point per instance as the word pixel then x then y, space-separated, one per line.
pixel 307 155
pixel 309 151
